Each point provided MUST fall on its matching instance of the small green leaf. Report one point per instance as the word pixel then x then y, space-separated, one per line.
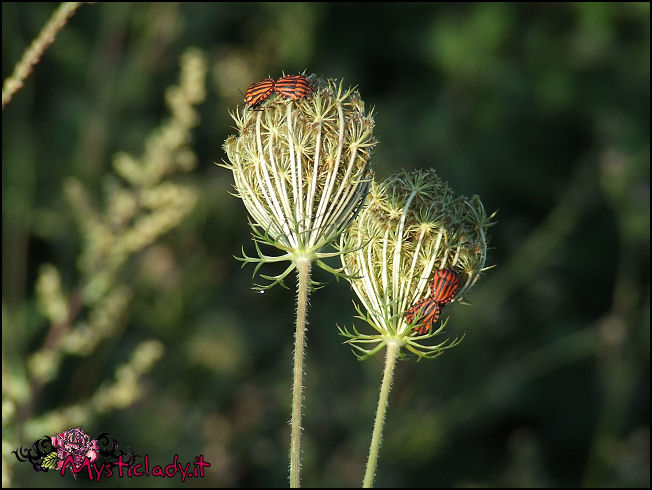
pixel 50 461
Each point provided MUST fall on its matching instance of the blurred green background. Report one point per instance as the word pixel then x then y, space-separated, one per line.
pixel 543 110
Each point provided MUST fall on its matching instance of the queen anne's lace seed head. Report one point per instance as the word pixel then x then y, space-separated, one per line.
pixel 411 226
pixel 301 167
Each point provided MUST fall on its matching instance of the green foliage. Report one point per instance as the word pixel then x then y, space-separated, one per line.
pixel 50 461
pixel 135 216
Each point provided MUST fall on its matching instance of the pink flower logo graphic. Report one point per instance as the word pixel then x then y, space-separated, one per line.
pixel 75 443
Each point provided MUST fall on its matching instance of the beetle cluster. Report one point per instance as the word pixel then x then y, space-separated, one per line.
pixel 427 310
pixel 288 86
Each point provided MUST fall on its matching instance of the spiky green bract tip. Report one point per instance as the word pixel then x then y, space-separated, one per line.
pixel 301 167
pixel 411 226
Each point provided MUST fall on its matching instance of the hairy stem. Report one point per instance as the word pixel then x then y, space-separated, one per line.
pixel 376 439
pixel 33 54
pixel 303 271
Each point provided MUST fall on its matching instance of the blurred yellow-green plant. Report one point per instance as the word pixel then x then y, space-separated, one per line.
pixel 142 201
pixel 32 56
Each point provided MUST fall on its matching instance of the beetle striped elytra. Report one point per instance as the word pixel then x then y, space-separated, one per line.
pixel 444 286
pixel 258 92
pixel 426 312
pixel 293 87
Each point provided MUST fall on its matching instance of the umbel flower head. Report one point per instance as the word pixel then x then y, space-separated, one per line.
pixel 412 229
pixel 301 167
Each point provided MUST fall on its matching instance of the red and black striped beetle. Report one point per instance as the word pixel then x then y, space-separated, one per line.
pixel 258 92
pixel 444 286
pixel 293 87
pixel 426 311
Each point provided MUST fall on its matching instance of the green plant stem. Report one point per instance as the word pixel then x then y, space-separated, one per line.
pixel 303 271
pixel 393 348
pixel 33 54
